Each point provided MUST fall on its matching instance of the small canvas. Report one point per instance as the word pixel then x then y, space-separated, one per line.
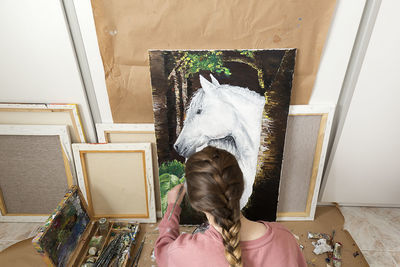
pixel 117 180
pixel 36 169
pixel 306 144
pixel 236 100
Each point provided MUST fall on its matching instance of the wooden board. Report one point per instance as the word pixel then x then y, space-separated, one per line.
pixel 117 180
pixel 45 114
pixel 37 169
pixel 133 133
pixel 303 160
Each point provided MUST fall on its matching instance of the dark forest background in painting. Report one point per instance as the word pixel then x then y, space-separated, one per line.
pixel 175 78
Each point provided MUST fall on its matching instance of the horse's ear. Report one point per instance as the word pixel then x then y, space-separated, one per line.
pixel 206 85
pixel 214 80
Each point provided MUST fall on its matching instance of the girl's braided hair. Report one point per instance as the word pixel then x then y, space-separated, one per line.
pixel 215 185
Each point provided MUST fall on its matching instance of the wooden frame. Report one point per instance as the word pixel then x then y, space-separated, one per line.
pixel 144 149
pixel 62 132
pixel 104 129
pixel 326 113
pixel 75 126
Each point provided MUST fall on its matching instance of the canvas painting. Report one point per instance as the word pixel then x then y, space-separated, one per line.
pixel 236 100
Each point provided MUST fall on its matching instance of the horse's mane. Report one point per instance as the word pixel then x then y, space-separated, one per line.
pixel 243 92
pixel 232 90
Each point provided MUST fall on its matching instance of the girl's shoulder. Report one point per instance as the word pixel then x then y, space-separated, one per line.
pixel 276 226
pixel 194 241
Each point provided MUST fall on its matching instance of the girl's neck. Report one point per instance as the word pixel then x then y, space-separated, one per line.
pixel 249 230
pixel 210 218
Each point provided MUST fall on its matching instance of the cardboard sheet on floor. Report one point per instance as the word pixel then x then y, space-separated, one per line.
pixel 326 220
pixel 23 254
pixel 126 29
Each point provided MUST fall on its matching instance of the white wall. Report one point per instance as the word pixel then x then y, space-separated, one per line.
pixel 365 168
pixel 37 60
pixel 337 52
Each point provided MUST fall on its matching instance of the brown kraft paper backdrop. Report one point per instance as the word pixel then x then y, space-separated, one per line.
pixel 127 29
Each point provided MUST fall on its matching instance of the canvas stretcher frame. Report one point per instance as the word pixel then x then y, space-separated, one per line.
pixel 326 113
pixel 105 129
pixel 127 132
pixel 84 180
pixel 75 124
pixel 58 130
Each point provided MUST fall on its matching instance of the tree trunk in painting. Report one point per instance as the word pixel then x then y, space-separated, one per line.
pixel 178 101
pixel 160 107
pixel 184 91
pixel 273 136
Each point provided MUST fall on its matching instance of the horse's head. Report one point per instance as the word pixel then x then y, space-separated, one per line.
pixel 209 117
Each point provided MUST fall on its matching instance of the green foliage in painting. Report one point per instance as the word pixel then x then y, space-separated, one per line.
pixel 247 53
pixel 171 173
pixel 193 62
pixel 172 167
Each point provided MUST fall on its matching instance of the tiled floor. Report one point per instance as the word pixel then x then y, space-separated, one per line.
pixel 11 233
pixel 377 233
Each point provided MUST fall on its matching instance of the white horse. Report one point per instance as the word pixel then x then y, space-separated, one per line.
pixel 227 117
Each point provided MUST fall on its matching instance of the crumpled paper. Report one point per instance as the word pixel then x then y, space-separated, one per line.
pixel 321 247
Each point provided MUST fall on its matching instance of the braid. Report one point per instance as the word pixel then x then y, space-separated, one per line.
pixel 215 185
pixel 233 252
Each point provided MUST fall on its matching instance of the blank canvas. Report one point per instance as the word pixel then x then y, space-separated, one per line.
pixel 116 182
pixel 122 135
pixel 298 157
pixel 33 177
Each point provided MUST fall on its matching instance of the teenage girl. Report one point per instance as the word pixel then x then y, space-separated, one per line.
pixel 214 186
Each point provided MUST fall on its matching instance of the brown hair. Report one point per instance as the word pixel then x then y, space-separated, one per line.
pixel 215 185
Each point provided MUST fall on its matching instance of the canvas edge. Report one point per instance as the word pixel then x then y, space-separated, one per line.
pixel 72 107
pixel 102 128
pixel 313 110
pixel 123 147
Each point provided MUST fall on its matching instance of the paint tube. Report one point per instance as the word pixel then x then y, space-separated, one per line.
pixel 337 255
pixel 103 226
pixel 319 236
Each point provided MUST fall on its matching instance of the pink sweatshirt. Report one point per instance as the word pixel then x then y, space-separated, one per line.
pixel 275 248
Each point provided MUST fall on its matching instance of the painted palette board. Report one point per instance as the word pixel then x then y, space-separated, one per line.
pixel 44 114
pixel 36 169
pixel 58 240
pixel 117 180
pixel 133 133
pixel 307 136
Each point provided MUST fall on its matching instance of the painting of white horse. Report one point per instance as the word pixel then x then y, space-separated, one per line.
pixel 236 100
pixel 227 117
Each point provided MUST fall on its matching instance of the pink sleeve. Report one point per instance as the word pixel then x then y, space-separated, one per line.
pixel 290 247
pixel 169 232
pixel 296 255
pixel 301 261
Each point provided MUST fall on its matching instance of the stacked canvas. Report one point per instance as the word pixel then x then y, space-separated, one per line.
pixel 36 158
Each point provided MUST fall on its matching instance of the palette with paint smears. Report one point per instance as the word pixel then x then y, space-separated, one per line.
pixel 67 236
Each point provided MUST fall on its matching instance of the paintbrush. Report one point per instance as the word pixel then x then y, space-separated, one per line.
pixel 136 259
pixel 176 200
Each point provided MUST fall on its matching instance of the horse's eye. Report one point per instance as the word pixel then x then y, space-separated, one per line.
pixel 198 111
